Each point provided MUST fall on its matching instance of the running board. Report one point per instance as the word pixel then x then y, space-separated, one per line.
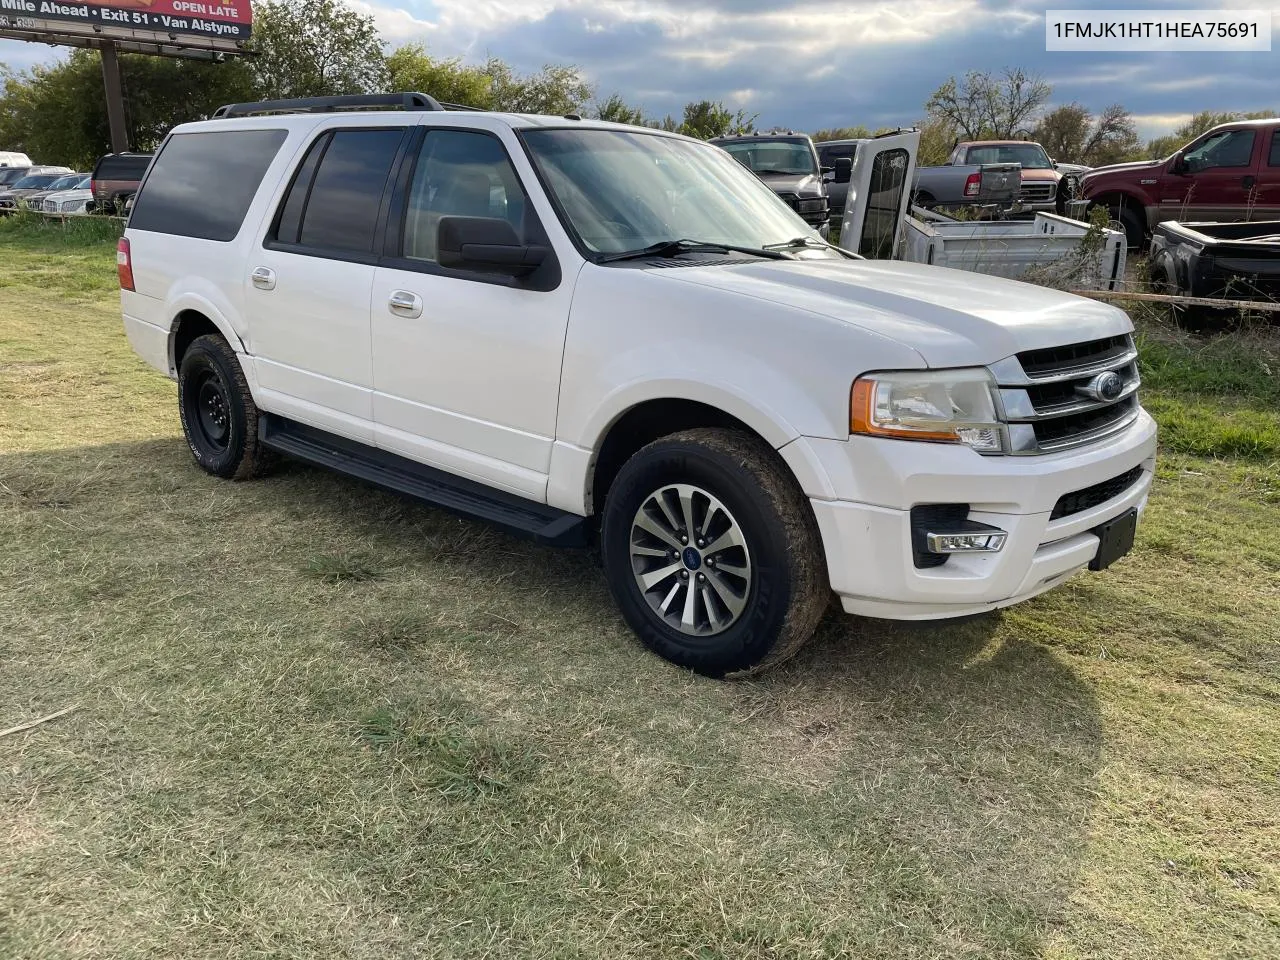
pixel 535 521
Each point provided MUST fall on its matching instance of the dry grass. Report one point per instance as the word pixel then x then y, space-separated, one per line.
pixel 318 721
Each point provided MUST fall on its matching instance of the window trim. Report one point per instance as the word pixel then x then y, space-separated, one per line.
pixel 1273 153
pixel 371 258
pixel 543 280
pixel 1248 164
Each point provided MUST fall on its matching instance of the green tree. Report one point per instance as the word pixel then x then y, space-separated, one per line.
pixel 553 90
pixel 1072 134
pixel 617 110
pixel 841 133
pixel 58 114
pixel 1162 147
pixel 411 68
pixel 315 48
pixel 711 118
pixel 985 106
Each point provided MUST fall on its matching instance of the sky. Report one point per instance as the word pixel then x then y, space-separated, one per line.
pixel 811 64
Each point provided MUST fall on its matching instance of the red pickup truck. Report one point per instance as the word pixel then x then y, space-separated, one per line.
pixel 1232 172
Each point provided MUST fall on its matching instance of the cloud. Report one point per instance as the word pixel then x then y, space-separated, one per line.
pixel 807 64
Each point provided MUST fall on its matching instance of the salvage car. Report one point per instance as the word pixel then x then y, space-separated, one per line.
pixel 597 334
pixel 958 181
pixel 1230 261
pixel 788 163
pixel 1231 172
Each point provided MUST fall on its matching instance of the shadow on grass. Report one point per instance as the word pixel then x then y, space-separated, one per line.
pixel 900 789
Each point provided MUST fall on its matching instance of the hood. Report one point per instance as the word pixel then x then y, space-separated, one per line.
pixel 803 184
pixel 1041 176
pixel 952 318
pixel 1122 167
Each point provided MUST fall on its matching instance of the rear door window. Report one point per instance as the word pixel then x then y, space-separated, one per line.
pixel 201 184
pixel 1274 159
pixel 336 196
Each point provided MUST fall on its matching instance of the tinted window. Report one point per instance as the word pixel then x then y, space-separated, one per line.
pixel 123 167
pixel 289 222
pixel 829 154
pixel 888 180
pixel 202 183
pixel 773 156
pixel 342 209
pixel 11 175
pixel 1231 148
pixel 459 174
pixel 1274 161
pixel 37 180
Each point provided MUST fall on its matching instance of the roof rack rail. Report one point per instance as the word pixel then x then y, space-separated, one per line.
pixel 460 106
pixel 364 101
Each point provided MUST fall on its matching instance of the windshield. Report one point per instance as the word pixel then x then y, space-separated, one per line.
pixel 623 191
pixel 782 157
pixel 1030 155
pixel 10 176
pixel 37 180
pixel 65 183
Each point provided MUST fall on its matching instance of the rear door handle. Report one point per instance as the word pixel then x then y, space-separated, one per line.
pixel 264 278
pixel 405 304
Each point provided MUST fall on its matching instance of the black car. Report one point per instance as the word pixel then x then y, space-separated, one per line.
pixel 788 163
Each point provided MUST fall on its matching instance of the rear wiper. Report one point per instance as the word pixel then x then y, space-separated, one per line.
pixel 813 243
pixel 670 248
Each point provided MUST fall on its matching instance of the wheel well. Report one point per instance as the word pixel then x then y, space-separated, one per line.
pixel 1120 201
pixel 189 325
pixel 643 424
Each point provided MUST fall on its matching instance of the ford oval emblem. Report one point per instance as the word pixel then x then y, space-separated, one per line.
pixel 1105 387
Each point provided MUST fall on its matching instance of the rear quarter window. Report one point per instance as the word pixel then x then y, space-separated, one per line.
pixel 121 168
pixel 201 184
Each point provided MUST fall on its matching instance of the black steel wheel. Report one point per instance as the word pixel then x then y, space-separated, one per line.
pixel 219 418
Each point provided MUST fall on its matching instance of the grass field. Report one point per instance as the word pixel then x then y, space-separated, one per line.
pixel 317 721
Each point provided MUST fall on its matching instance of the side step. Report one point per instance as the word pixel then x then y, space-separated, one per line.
pixel 535 521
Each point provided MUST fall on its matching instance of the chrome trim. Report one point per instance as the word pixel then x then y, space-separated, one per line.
pixel 1083 439
pixel 1009 373
pixel 1022 409
pixel 997 538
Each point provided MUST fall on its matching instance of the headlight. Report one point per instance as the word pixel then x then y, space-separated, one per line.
pixel 812 206
pixel 944 406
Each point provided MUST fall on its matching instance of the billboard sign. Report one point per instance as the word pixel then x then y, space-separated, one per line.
pixel 155 20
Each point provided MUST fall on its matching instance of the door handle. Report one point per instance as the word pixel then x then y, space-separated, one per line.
pixel 405 304
pixel 264 278
pixel 1248 181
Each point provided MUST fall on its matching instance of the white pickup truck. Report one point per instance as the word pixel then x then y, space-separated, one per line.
pixel 599 334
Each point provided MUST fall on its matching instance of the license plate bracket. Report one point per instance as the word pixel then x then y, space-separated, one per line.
pixel 1115 539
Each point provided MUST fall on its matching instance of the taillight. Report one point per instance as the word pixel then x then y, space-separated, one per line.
pixel 973 184
pixel 124 265
pixel 93 187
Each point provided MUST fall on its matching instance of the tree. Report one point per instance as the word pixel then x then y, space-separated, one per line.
pixel 58 114
pixel 1162 147
pixel 987 107
pixel 1072 134
pixel 937 140
pixel 554 90
pixel 616 110
pixel 315 48
pixel 711 118
pixel 410 68
pixel 841 133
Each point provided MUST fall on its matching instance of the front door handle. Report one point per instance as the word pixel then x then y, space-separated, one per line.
pixel 264 278
pixel 405 304
pixel 1248 181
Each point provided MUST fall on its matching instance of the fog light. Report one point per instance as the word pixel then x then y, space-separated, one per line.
pixel 988 540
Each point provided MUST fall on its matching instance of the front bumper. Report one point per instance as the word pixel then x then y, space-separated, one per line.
pixel 867 537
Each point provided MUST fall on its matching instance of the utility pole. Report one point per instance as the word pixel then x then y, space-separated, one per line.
pixel 115 97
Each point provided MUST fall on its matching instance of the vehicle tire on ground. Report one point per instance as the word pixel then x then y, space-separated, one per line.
pixel 713 554
pixel 1134 223
pixel 218 415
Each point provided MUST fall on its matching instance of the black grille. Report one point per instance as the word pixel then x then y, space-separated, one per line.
pixel 1039 363
pixel 791 199
pixel 1072 426
pixel 1089 497
pixel 933 517
pixel 1060 393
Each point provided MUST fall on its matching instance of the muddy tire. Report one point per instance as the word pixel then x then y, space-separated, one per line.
pixel 713 554
pixel 219 418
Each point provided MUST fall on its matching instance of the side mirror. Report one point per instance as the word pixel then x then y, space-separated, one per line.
pixel 844 169
pixel 486 244
pixel 1178 164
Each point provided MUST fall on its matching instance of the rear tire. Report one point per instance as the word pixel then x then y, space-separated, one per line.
pixel 219 418
pixel 747 586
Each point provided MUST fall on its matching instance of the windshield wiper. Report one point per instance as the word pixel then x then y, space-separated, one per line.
pixel 813 243
pixel 670 248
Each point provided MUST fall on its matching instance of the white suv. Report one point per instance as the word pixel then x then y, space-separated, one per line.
pixel 590 332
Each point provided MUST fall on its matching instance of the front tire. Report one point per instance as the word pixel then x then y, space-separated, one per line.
pixel 219 418
pixel 713 554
